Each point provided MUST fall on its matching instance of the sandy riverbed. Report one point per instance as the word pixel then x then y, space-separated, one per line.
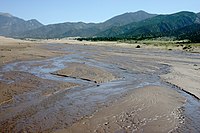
pixel 16 50
pixel 100 87
pixel 85 72
pixel 148 109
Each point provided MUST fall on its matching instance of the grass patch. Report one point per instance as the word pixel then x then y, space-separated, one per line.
pixel 167 43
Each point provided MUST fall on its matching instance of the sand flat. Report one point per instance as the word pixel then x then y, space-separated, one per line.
pixel 186 76
pixel 16 50
pixel 131 95
pixel 16 83
pixel 85 72
pixel 151 108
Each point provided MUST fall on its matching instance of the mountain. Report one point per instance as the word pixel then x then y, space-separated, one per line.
pixel 198 14
pixel 198 18
pixel 11 26
pixel 136 25
pixel 5 14
pixel 85 29
pixel 126 18
pixel 156 26
pixel 56 30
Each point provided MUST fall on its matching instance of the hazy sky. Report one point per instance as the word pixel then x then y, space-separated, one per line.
pixel 56 11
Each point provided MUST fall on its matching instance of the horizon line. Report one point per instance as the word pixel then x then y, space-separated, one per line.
pixel 51 23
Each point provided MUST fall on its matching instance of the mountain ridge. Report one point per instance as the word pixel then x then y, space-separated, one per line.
pixel 87 29
pixel 138 24
pixel 5 14
pixel 129 17
pixel 150 27
pixel 11 25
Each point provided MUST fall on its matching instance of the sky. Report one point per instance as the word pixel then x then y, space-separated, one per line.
pixel 58 11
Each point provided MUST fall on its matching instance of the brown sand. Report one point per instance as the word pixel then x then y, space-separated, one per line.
pixel 85 72
pixel 149 109
pixel 186 76
pixel 16 50
pixel 21 82
pixel 17 94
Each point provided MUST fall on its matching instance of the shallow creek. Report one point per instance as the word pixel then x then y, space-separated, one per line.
pixel 68 106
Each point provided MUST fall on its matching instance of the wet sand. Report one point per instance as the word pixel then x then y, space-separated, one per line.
pixel 97 87
pixel 85 72
pixel 16 83
pixel 148 109
pixel 186 76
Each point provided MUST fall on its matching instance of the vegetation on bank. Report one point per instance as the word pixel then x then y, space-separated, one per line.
pixel 183 38
pixel 168 43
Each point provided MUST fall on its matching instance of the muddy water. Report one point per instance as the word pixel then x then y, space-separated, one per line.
pixel 38 113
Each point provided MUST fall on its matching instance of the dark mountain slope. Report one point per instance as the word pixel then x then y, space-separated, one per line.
pixel 156 26
pixel 126 18
pixel 191 32
pixel 198 14
pixel 85 29
pixel 129 25
pixel 56 30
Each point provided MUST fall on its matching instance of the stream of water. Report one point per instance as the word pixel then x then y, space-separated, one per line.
pixel 85 99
